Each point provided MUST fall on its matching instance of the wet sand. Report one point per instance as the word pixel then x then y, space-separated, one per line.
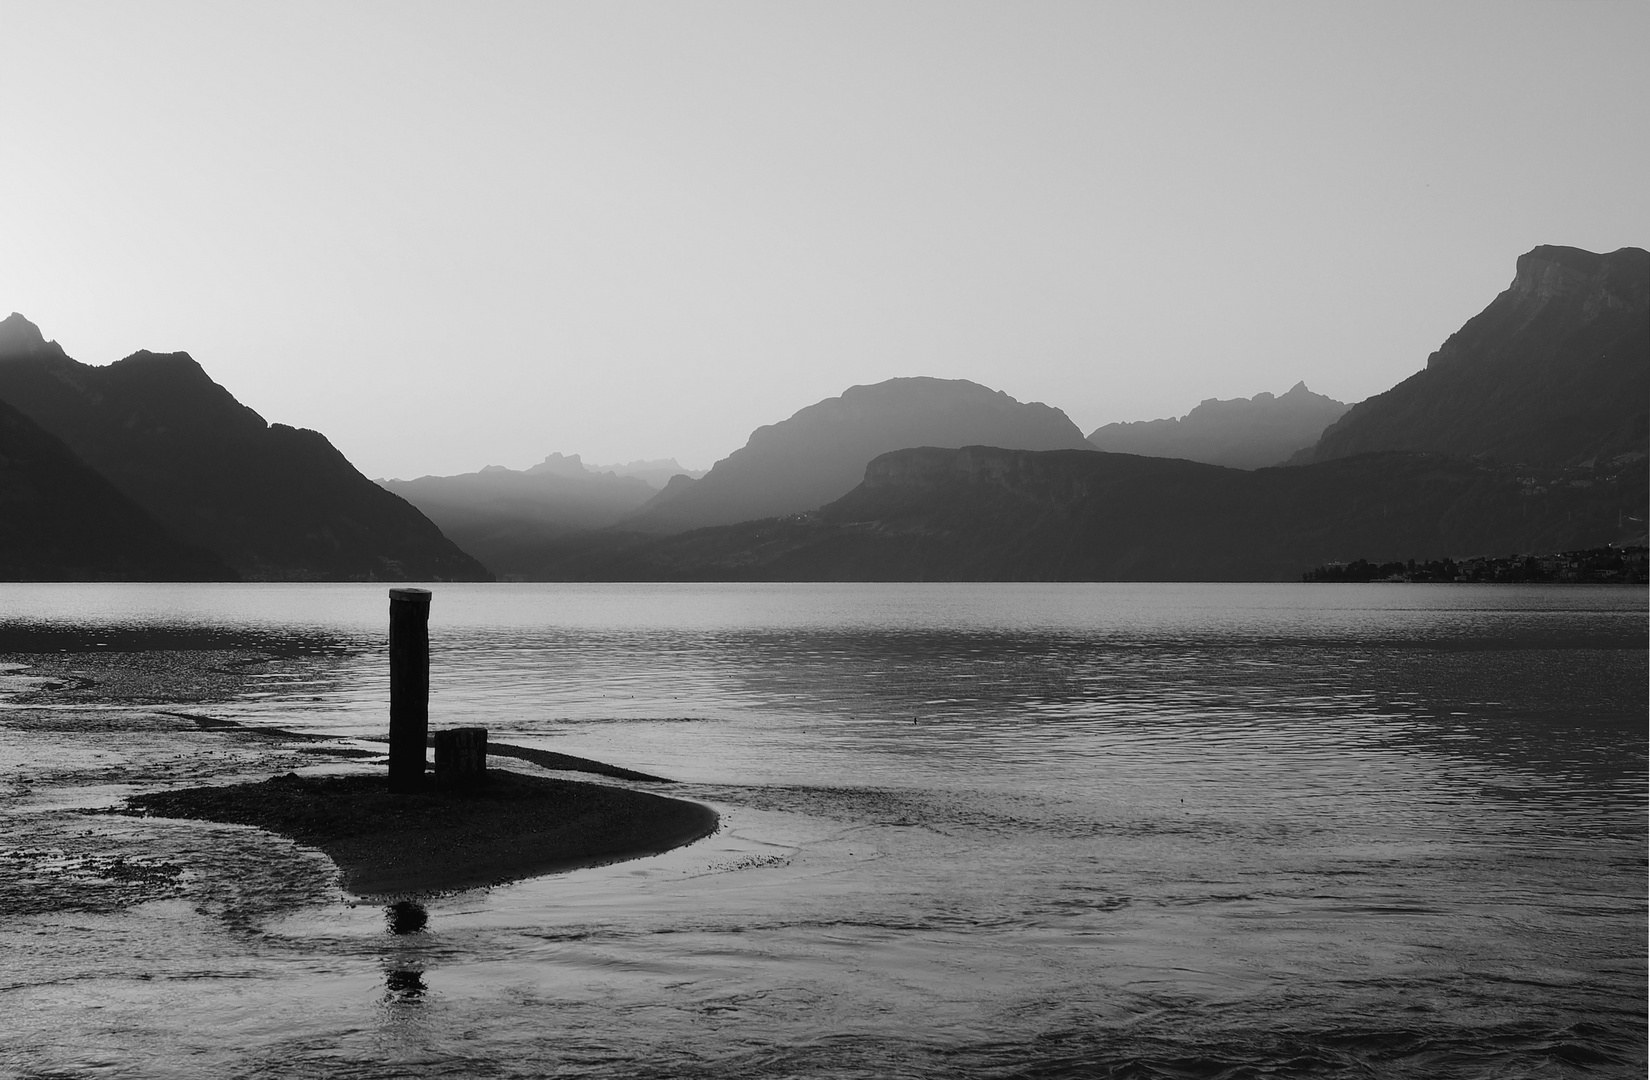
pixel 516 826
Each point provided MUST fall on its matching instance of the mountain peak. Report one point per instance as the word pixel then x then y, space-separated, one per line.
pixel 560 465
pixel 271 501
pixel 173 362
pixel 1241 433
pixel 20 337
pixel 1553 372
pixel 820 452
pixel 1611 280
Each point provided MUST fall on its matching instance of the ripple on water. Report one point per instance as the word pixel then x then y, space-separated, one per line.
pixel 1125 831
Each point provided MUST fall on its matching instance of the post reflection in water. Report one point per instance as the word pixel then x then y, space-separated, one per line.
pixel 406 917
pixel 404 986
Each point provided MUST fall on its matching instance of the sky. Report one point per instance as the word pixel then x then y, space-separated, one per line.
pixel 449 235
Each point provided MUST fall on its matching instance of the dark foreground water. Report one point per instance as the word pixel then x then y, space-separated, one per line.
pixel 1005 831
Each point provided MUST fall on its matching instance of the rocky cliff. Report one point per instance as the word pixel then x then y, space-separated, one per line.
pixel 1555 371
pixel 272 501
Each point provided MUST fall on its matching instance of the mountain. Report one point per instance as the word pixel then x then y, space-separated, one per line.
pixel 1527 432
pixel 502 516
pixel 820 453
pixel 657 472
pixel 553 464
pixel 1244 433
pixel 1556 371
pixel 61 521
pixel 987 514
pixel 274 502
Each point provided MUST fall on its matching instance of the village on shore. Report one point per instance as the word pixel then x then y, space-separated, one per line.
pixel 1594 566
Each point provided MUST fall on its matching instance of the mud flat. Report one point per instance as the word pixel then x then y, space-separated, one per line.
pixel 516 826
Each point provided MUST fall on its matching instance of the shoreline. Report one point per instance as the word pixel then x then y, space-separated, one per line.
pixel 515 826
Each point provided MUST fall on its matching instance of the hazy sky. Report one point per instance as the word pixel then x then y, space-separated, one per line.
pixel 451 235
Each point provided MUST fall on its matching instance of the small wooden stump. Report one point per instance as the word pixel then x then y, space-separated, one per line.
pixel 461 757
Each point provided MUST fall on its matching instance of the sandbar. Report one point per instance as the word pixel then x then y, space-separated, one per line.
pixel 514 826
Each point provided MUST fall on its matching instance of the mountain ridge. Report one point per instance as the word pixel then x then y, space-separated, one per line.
pixel 1554 371
pixel 502 515
pixel 1539 403
pixel 273 501
pixel 1526 432
pixel 819 453
pixel 1243 433
pixel 988 514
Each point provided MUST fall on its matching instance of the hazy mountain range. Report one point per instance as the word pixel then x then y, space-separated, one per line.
pixel 504 516
pixel 820 453
pixel 1557 461
pixel 1527 430
pixel 1245 433
pixel 989 514
pixel 514 521
pixel 655 474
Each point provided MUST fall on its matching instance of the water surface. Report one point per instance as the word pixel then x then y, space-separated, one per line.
pixel 997 830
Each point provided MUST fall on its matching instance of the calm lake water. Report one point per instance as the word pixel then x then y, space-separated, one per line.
pixel 967 830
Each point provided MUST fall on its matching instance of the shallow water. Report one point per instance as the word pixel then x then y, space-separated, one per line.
pixel 994 830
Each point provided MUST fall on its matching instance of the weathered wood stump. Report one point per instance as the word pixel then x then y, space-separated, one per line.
pixel 409 686
pixel 461 757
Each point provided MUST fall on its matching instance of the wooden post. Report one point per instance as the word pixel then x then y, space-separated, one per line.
pixel 409 686
pixel 461 757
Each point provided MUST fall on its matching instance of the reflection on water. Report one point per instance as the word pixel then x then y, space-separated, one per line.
pixel 406 917
pixel 967 830
pixel 404 986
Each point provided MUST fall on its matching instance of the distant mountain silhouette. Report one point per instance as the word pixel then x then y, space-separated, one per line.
pixel 553 464
pixel 983 513
pixel 61 521
pixel 1244 433
pixel 502 516
pixel 657 472
pixel 274 502
pixel 820 453
pixel 1556 371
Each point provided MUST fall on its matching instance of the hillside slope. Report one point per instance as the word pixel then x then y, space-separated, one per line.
pixel 61 521
pixel 1555 371
pixel 274 502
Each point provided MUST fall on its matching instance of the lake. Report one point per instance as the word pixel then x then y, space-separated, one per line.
pixel 999 830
